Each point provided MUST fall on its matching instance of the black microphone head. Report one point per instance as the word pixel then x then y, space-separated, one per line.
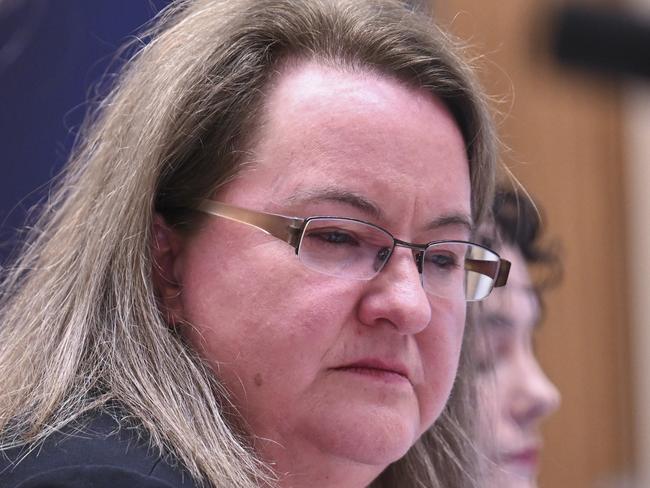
pixel 604 40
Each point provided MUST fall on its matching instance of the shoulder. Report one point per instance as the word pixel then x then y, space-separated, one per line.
pixel 88 476
pixel 101 453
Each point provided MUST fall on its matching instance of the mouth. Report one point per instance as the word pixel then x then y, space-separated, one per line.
pixel 378 370
pixel 524 460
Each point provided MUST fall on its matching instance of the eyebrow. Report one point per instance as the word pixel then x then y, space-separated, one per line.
pixel 451 220
pixel 338 195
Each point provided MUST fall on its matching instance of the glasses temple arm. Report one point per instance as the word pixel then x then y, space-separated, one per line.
pixel 498 270
pixel 284 228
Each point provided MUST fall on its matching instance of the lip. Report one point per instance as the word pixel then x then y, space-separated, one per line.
pixel 391 371
pixel 526 459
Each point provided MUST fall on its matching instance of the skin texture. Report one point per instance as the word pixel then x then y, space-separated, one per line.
pixel 516 395
pixel 350 144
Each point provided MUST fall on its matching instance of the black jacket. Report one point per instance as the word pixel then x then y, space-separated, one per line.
pixel 97 455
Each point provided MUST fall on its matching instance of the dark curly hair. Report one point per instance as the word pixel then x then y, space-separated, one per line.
pixel 518 223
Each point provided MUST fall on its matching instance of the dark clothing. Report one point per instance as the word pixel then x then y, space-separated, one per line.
pixel 98 455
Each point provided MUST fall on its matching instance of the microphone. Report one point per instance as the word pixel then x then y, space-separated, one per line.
pixel 605 40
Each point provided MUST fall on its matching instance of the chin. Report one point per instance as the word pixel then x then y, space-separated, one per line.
pixel 522 483
pixel 510 480
pixel 376 437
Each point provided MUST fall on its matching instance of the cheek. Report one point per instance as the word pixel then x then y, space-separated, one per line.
pixel 264 322
pixel 440 346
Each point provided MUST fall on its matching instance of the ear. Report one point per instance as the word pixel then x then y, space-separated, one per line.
pixel 166 246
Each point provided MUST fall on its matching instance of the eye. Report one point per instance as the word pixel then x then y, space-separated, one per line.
pixel 443 260
pixel 334 236
pixel 383 253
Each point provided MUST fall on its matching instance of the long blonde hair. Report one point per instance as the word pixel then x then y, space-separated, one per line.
pixel 80 326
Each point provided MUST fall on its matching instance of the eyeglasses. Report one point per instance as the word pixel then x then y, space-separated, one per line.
pixel 354 249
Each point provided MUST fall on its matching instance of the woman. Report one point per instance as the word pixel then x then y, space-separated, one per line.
pixel 516 393
pixel 214 294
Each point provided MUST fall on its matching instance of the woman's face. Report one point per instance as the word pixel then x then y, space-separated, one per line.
pixel 333 377
pixel 515 393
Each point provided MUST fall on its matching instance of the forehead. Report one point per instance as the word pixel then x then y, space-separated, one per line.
pixel 360 132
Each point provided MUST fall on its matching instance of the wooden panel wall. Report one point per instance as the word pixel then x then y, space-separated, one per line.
pixel 565 137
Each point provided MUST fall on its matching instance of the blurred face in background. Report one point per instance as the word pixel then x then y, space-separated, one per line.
pixel 514 392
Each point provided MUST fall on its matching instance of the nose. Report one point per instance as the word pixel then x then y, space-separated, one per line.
pixel 537 397
pixel 396 296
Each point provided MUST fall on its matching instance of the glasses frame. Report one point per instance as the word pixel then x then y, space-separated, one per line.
pixel 290 230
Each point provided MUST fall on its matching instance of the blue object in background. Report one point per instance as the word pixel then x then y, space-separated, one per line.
pixel 52 53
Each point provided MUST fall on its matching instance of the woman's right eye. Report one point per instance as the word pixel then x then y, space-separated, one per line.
pixel 335 237
pixel 444 261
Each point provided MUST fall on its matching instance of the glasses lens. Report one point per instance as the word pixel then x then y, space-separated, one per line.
pixel 344 248
pixel 459 270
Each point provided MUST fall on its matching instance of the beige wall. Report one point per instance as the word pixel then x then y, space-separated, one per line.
pixel 565 133
pixel 637 137
pixel 637 144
